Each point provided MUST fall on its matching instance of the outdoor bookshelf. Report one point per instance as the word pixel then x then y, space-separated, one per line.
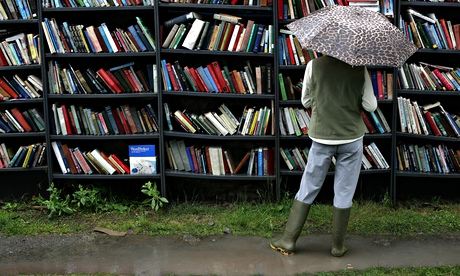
pixel 154 17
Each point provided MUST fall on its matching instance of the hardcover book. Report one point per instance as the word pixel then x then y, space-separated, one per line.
pixel 142 159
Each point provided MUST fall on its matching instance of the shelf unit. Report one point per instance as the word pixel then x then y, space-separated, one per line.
pixel 157 12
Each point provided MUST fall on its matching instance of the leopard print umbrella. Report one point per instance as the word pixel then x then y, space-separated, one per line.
pixel 354 35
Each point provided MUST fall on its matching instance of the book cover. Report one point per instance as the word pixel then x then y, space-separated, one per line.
pixel 142 159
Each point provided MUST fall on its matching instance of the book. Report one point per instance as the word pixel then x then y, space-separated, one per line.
pixel 142 159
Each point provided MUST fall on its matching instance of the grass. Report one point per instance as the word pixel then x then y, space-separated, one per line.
pixel 406 271
pixel 368 218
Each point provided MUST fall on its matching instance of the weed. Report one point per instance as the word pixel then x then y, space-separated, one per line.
pixel 87 198
pixel 55 204
pixel 155 201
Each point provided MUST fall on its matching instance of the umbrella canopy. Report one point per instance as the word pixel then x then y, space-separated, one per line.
pixel 354 35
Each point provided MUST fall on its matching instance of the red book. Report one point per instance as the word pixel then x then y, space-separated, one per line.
pixel 123 121
pixel 130 81
pixel 3 61
pixel 208 160
pixel 120 163
pixel 172 77
pixel 242 162
pixel 192 79
pixel 116 117
pixel 234 2
pixel 235 82
pixel 72 123
pixel 111 162
pixel 225 43
pixel 238 36
pixel 4 85
pixel 446 33
pixel 433 126
pixel 67 154
pixel 380 85
pixel 218 72
pixel 117 83
pixel 198 79
pixel 456 28
pixel 303 4
pixel 367 122
pixel 290 52
pixel 280 9
pixel 194 159
pixel 271 162
pixel 102 121
pixel 109 81
pixel 443 79
pixel 214 78
pixel 21 120
pixel 67 120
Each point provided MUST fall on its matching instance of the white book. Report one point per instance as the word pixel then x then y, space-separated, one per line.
pixel 451 34
pixel 246 121
pixel 224 109
pixel 223 122
pixel 48 38
pixel 155 78
pixel 109 38
pixel 305 117
pixel 60 114
pixel 97 155
pixel 170 36
pixel 401 115
pixel 75 118
pixel 380 165
pixel 366 164
pixel 282 128
pixel 231 127
pixel 270 39
pixel 57 124
pixel 240 41
pixel 231 45
pixel 36 82
pixel 14 121
pixel 294 50
pixel 286 160
pixel 379 154
pixel 249 82
pixel 193 34
pixel 287 117
pixel 402 74
pixel 251 163
pixel 215 164
pixel 216 123
pixel 59 158
pixel 420 118
pixel 297 153
pixel 220 156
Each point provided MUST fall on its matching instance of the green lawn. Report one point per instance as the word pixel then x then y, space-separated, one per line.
pixel 406 271
pixel 368 218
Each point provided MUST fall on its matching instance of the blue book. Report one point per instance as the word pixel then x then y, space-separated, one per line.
pixel 285 50
pixel 142 159
pixel 281 51
pixel 190 159
pixel 208 84
pixel 21 9
pixel 18 88
pixel 435 154
pixel 377 122
pixel 203 163
pixel 260 162
pixel 89 41
pixel 260 33
pixel 64 159
pixel 51 33
pixel 67 32
pixel 211 80
pixel 374 83
pixel 285 11
pixel 429 35
pixel 106 41
pixel 126 65
pixel 99 126
pixel 436 36
pixel 17 156
pixel 112 119
pixel 166 76
pixel 4 126
pixel 71 82
pixel 143 38
pixel 139 42
pixel 16 53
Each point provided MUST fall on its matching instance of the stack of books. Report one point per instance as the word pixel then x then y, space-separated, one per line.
pixel 213 78
pixel 375 122
pixel 386 7
pixel 18 9
pixel 373 158
pixel 291 52
pixel 425 76
pixel 295 158
pixel 14 120
pixel 226 33
pixel 428 158
pixel 289 90
pixel 26 156
pixel 427 31
pixel 382 82
pixel 78 39
pixel 75 161
pixel 218 161
pixel 124 78
pixel 20 49
pixel 77 120
pixel 261 3
pixel 293 9
pixel 15 87
pixel 430 119
pixel 253 122
pixel 294 121
pixel 95 3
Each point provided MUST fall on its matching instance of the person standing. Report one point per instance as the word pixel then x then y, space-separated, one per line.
pixel 336 93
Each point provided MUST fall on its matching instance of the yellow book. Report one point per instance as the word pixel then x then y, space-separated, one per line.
pixel 253 123
pixel 26 160
pixel 3 12
pixel 32 49
pixel 82 35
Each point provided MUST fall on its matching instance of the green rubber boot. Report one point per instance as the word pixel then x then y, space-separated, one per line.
pixel 339 229
pixel 286 243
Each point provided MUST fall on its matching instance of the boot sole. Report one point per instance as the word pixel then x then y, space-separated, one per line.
pixel 281 250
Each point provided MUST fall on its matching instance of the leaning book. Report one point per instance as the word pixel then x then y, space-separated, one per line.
pixel 142 159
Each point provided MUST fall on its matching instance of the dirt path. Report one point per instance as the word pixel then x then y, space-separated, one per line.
pixel 221 255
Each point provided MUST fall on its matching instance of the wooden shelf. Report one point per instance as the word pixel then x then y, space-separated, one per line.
pixel 98 9
pixel 104 177
pixel 173 173
pixel 212 7
pixel 20 67
pixel 107 137
pixel 215 53
pixel 428 137
pixel 100 55
pixel 22 170
pixel 428 175
pixel 22 101
pixel 427 92
pixel 23 135
pixel 18 21
pixel 219 95
pixel 293 67
pixel 185 135
pixel 133 95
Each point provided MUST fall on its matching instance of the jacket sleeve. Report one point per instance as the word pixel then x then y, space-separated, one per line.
pixel 306 102
pixel 369 102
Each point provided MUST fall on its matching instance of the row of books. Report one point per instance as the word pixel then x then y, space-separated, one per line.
pixel 125 119
pixel 375 122
pixel 294 121
pixel 95 3
pixel 373 158
pixel 261 3
pixel 430 119
pixel 213 79
pixel 142 160
pixel 20 49
pixel 385 7
pixel 78 39
pixel 427 31
pixel 14 120
pixel 226 33
pixel 428 158
pixel 26 156
pixel 18 9
pixel 289 90
pixel 125 78
pixel 16 87
pixel 424 76
pixel 290 50
pixel 382 82
pixel 254 121
pixel 218 161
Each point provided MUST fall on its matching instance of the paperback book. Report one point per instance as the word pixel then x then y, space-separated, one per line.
pixel 142 159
